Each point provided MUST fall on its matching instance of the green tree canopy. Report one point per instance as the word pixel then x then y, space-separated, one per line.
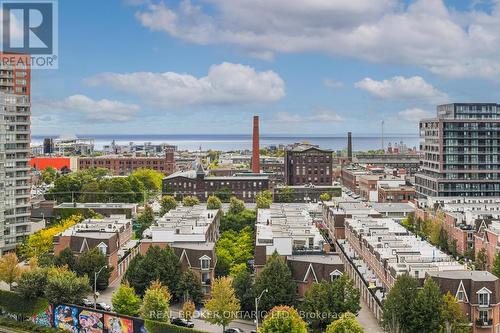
pixel 332 298
pixel 32 283
pixel 223 305
pixel 156 303
pixel 145 220
pixel 151 179
pixel 49 175
pixel 397 306
pixel 276 277
pixel 168 203
pixel 157 264
pixel 325 196
pixel 264 199
pixel 65 286
pixel 65 258
pixel 213 202
pixel 283 319
pixel 234 248
pixel 452 317
pixel 189 287
pixel 243 287
pixel 346 324
pixel 189 201
pixel 236 206
pixel 426 308
pixel 125 301
pixel 496 265
pixel 90 262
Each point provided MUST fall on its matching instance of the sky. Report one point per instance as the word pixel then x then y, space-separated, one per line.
pixel 316 67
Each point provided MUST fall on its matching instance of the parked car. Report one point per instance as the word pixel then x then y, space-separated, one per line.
pixel 234 330
pixel 88 303
pixel 181 322
pixel 103 306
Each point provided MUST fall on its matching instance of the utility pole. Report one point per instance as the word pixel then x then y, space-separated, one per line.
pixel 96 274
pixel 257 299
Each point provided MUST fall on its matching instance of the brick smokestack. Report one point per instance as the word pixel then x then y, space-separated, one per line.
pixel 349 146
pixel 255 146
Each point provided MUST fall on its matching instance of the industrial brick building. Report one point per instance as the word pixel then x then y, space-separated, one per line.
pixel 308 164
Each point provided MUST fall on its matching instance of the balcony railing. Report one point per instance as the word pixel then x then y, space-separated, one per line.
pixel 484 323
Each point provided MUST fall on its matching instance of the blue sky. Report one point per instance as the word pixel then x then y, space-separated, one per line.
pixel 320 67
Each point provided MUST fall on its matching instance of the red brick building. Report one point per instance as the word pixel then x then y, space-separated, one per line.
pixel 123 165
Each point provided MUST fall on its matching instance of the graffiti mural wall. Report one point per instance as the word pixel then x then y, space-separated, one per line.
pixel 79 319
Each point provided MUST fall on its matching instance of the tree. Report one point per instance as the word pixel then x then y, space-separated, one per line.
pixel 91 192
pixel 90 262
pixel 49 175
pixel 325 197
pixel 243 287
pixel 426 308
pixel 65 258
pixel 189 287
pixel 156 264
pixel 213 202
pixel 10 271
pixel 286 195
pixel 276 277
pixel 233 248
pixel 346 324
pixel 283 319
pixel 481 260
pixel 151 179
pixel 223 305
pixel 452 316
pixel 496 265
pixel 65 286
pixel 168 203
pixel 145 220
pixel 331 298
pixel 223 193
pixel 236 206
pixel 32 283
pixel 264 199
pixel 118 189
pixel 42 241
pixel 190 201
pixel 188 309
pixel 236 222
pixel 156 302
pixel 125 301
pixel 398 305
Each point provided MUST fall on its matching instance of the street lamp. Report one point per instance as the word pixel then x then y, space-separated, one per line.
pixel 257 299
pixel 96 274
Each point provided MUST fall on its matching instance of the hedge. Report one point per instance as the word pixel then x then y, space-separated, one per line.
pixel 14 303
pixel 27 326
pixel 160 327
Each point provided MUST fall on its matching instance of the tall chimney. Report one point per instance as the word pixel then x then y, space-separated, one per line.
pixel 255 146
pixel 349 146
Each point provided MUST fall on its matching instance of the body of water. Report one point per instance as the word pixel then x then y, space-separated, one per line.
pixel 227 142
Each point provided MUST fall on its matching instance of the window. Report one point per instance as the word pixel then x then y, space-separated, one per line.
pixel 483 299
pixel 460 295
pixel 205 263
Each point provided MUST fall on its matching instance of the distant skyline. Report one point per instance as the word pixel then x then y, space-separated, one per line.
pixel 312 67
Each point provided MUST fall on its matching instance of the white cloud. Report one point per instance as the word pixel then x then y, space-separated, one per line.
pixel 415 115
pixel 414 88
pixel 225 84
pixel 102 110
pixel 424 33
pixel 321 115
pixel 331 83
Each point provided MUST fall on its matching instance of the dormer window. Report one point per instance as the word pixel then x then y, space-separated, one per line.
pixel 483 297
pixel 205 263
pixel 103 248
